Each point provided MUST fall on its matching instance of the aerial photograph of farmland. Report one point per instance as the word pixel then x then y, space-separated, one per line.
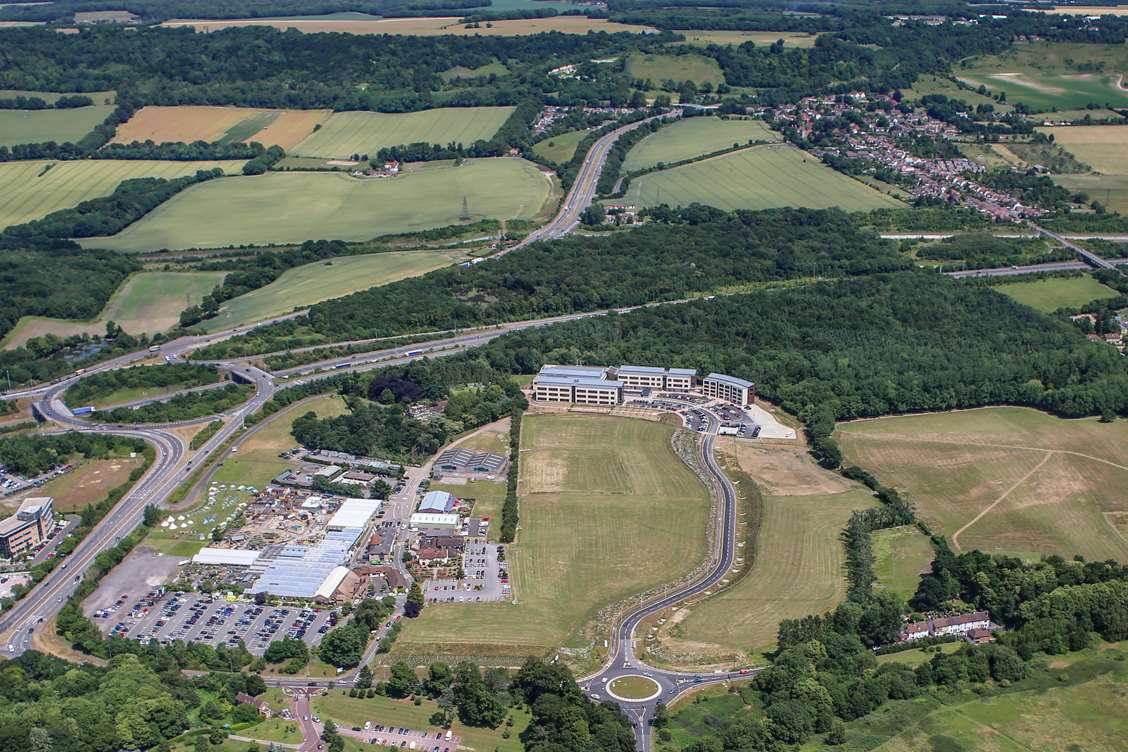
pixel 563 376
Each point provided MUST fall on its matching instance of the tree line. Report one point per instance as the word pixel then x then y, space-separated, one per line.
pixel 187 406
pixel 66 102
pixel 96 387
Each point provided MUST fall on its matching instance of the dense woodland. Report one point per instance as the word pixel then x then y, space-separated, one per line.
pixel 682 253
pixel 186 406
pixel 162 10
pixel 94 388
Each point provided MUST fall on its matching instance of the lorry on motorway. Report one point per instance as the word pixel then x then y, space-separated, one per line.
pixel 413 353
pixel 155 349
pixel 83 410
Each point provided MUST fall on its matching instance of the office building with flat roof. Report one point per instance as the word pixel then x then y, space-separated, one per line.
pixel 653 377
pixel 27 527
pixel 581 385
pixel 737 391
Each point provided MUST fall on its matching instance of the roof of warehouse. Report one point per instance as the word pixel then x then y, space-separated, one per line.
pixel 436 501
pixel 730 380
pixel 331 582
pixel 355 513
pixel 230 556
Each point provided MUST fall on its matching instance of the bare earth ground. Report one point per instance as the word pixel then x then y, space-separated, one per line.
pixel 86 484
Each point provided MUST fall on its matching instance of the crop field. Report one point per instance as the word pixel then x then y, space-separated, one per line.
pixel 313 283
pixel 798 557
pixel 694 137
pixel 1110 190
pixel 281 207
pixel 1051 293
pixel 423 26
pixel 1105 147
pixel 560 148
pixel 34 189
pixel 1005 480
pixel 190 123
pixel 348 711
pixel 659 68
pixel 1087 10
pixel 146 303
pixel 37 126
pixel 607 510
pixel 704 38
pixel 901 554
pixel 1078 704
pixel 88 483
pixel 761 177
pixel 347 133
pixel 1053 75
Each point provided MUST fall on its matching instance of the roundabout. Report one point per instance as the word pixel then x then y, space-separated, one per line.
pixel 633 688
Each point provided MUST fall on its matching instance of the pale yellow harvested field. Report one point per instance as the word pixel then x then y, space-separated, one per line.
pixel 187 123
pixel 1104 147
pixel 290 127
pixel 427 27
pixel 1086 10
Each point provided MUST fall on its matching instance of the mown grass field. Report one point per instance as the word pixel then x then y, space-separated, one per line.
pixel 32 190
pixel 492 68
pixel 1005 480
pixel 1076 705
pixel 88 483
pixel 607 510
pixel 146 303
pixel 901 554
pixel 1052 75
pixel 693 137
pixel 37 126
pixel 350 711
pixel 659 68
pixel 313 283
pixel 422 26
pixel 930 84
pixel 1103 146
pixel 705 37
pixel 348 133
pixel 1049 294
pixel 760 177
pixel 797 571
pixel 560 148
pixel 292 207
pixel 190 123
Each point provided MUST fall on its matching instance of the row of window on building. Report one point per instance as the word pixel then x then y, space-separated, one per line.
pixel 596 385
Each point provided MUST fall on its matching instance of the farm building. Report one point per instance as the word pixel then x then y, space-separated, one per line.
pixel 464 461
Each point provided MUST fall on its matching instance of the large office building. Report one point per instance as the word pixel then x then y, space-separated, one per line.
pixel 737 391
pixel 27 527
pixel 582 385
pixel 653 377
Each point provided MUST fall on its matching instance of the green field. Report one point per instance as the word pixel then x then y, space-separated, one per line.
pixel 1052 75
pixel 296 206
pixel 560 149
pixel 761 177
pixel 797 571
pixel 705 37
pixel 1110 190
pixel 37 126
pixel 32 190
pixel 494 68
pixel 678 68
pixel 347 133
pixel 901 554
pixel 1103 146
pixel 930 84
pixel 1005 480
pixel 694 137
pixel 1051 293
pixel 146 303
pixel 313 283
pixel 607 510
pixel 1075 705
pixel 350 711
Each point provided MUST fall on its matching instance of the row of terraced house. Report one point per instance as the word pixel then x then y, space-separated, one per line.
pixel 601 386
